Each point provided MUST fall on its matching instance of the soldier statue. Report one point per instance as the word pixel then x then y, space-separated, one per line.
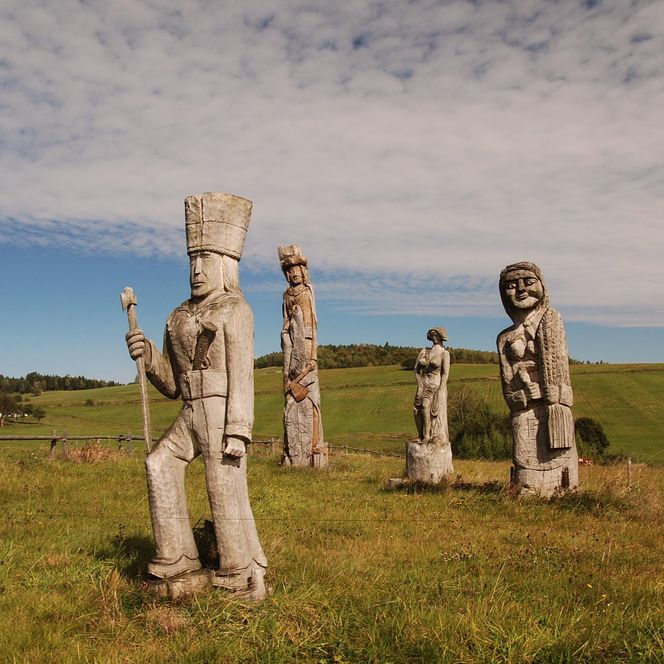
pixel 207 361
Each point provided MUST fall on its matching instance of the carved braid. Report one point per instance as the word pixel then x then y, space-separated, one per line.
pixel 553 356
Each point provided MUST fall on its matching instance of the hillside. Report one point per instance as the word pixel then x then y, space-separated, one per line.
pixel 372 407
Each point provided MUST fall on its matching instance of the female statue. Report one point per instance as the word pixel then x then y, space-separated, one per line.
pixel 534 369
pixel 432 370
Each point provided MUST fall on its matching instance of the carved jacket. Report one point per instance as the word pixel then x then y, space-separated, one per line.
pixel 227 367
pixel 535 352
pixel 303 297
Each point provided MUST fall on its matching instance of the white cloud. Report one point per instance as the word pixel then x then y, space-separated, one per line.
pixel 423 144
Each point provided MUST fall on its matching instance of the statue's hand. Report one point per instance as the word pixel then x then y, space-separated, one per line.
pixel 310 365
pixel 534 391
pixel 135 343
pixel 235 447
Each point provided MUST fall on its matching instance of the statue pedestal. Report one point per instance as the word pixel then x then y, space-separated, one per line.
pixel 320 458
pixel 182 585
pixel 428 462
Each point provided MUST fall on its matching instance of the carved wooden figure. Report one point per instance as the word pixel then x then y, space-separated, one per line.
pixel 207 361
pixel 429 458
pixel 534 369
pixel 303 424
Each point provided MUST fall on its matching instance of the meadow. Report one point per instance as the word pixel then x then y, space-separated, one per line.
pixel 371 407
pixel 359 572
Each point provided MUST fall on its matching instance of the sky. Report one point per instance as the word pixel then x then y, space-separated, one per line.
pixel 412 148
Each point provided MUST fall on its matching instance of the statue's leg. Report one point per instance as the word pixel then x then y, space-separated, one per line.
pixel 234 525
pixel 222 478
pixel 425 411
pixel 417 414
pixel 176 550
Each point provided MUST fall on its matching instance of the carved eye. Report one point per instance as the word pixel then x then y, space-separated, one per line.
pixel 510 286
pixel 531 281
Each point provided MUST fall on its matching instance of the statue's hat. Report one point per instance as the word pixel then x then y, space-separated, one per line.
pixel 290 255
pixel 217 222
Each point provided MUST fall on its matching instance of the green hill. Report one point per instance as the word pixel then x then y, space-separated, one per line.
pixel 372 406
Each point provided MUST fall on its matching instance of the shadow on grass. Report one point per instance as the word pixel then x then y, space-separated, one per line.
pixel 491 487
pixel 130 553
pixel 408 486
pixel 603 501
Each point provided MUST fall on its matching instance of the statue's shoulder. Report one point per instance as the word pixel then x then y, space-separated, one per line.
pixel 230 305
pixel 504 336
pixel 181 309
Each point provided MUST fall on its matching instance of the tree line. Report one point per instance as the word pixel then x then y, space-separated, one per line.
pixel 331 356
pixel 36 383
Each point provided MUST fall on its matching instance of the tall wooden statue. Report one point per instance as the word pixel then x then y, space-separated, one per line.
pixel 534 369
pixel 303 425
pixel 208 362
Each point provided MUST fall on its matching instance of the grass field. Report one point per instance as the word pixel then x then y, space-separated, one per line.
pixel 372 407
pixel 360 573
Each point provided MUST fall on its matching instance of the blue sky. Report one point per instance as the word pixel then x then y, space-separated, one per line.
pixel 412 149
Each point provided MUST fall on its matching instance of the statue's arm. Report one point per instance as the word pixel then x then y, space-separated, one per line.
pixel 445 368
pixel 312 362
pixel 239 341
pixel 516 399
pixel 159 368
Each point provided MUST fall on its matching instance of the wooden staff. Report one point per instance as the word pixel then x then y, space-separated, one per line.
pixel 128 300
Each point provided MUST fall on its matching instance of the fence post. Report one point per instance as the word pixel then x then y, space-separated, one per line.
pixel 629 472
pixel 53 451
pixel 129 447
pixel 272 446
pixel 64 452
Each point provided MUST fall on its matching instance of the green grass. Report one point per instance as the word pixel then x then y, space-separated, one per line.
pixel 360 573
pixel 372 407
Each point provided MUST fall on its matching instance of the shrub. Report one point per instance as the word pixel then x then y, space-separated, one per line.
pixel 476 431
pixel 590 437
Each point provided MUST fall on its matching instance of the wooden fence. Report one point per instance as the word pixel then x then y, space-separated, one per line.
pixel 126 441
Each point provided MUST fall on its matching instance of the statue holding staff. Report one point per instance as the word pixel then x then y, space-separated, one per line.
pixel 207 361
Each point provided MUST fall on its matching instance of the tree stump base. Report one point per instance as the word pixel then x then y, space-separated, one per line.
pixel 428 463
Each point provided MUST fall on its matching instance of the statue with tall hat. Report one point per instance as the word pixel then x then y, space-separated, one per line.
pixel 429 457
pixel 534 370
pixel 303 424
pixel 207 361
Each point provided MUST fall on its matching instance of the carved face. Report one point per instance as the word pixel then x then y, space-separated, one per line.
pixel 434 336
pixel 206 274
pixel 523 289
pixel 294 275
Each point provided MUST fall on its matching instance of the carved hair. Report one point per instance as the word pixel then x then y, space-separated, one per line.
pixel 440 331
pixel 524 266
pixel 231 268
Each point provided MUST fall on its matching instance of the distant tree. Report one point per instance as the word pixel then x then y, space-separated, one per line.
pixel 38 413
pixel 35 383
pixel 9 406
pixel 592 440
pixel 372 355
